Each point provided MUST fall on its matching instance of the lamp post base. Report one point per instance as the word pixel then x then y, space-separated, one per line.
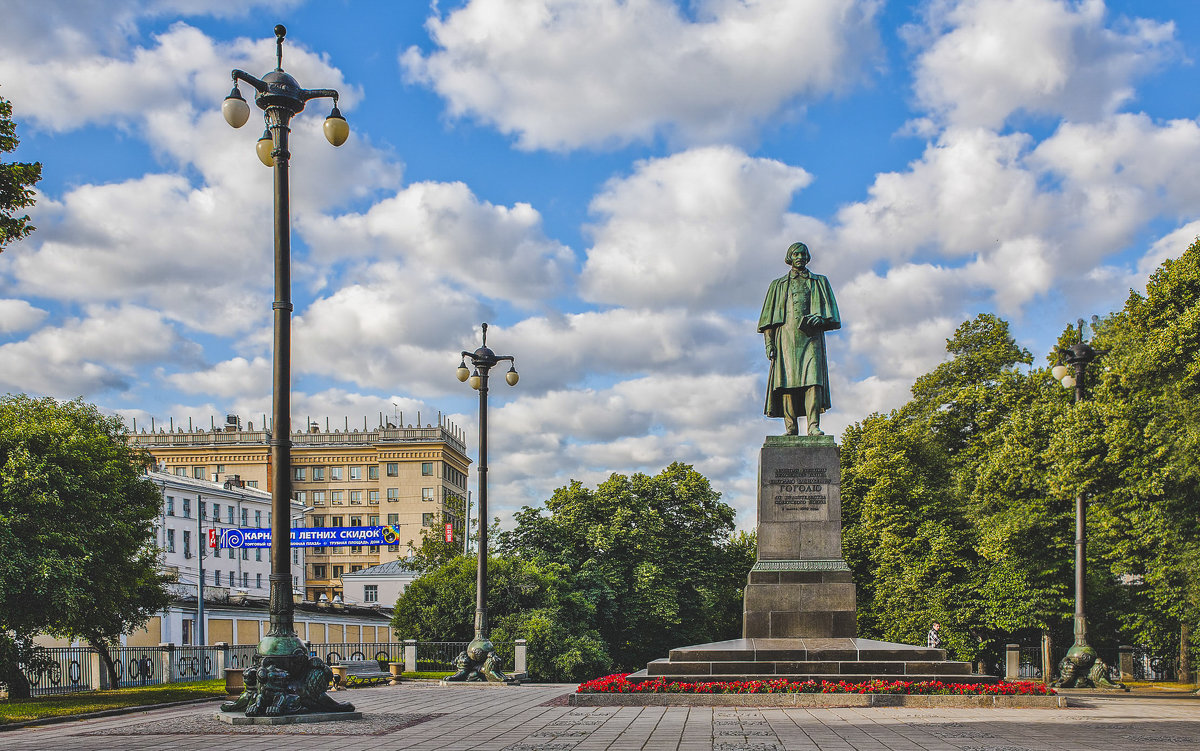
pixel 286 681
pixel 1083 668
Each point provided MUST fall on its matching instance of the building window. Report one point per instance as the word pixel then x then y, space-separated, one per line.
pixel 335 521
pixel 258 518
pixel 170 541
pixel 426 494
pixel 393 494
pixel 296 556
pixel 356 497
pixel 355 568
pixel 318 474
pixel 203 510
pixel 198 473
pixel 245 554
pixel 371 593
pixel 393 469
pixel 245 580
pixel 318 520
pixel 373 520
pixel 170 506
pixel 258 580
pixel 373 472
pixel 393 548
pixel 319 497
pixel 454 476
pixel 245 517
pixel 427 469
pixel 318 570
pixel 373 496
pixel 356 473
pixel 335 473
pixel 336 496
pixel 355 550
pixel 230 509
pixel 258 554
pixel 187 544
pixel 268 518
pixel 337 572
pixel 427 520
pixel 302 497
pixel 220 469
pixel 356 521
pixel 373 549
pixel 230 555
pixel 300 473
pixel 187 508
pixel 252 483
pixel 393 518
pixel 181 471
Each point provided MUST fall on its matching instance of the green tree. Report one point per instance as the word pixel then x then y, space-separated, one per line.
pixel 16 182
pixel 77 555
pixel 536 602
pixel 654 556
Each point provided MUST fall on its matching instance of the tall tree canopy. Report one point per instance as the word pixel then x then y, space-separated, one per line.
pixel 16 182
pixel 77 555
pixel 602 578
pixel 959 506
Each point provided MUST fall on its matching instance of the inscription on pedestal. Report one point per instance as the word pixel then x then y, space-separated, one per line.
pixel 799 488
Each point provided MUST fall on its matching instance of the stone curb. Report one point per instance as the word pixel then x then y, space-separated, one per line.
pixel 108 713
pixel 819 700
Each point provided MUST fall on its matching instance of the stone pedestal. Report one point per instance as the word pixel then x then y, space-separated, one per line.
pixel 800 587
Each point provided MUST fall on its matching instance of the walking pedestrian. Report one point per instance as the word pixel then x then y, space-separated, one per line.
pixel 933 639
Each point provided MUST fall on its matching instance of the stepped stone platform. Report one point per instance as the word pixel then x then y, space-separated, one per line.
pixel 828 659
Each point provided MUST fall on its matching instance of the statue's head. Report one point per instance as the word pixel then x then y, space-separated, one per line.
pixel 797 255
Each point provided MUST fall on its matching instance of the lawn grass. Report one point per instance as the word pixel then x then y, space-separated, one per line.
pixel 428 674
pixel 21 710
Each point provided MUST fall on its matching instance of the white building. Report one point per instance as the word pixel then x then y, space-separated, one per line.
pixel 190 509
pixel 377 585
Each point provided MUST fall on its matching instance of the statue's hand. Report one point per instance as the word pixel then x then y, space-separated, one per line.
pixel 812 321
pixel 770 351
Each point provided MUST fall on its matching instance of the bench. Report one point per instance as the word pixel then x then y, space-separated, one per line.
pixel 360 671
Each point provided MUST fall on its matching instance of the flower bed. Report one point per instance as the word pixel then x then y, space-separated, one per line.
pixel 619 684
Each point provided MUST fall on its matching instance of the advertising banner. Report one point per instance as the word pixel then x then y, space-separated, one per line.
pixel 313 537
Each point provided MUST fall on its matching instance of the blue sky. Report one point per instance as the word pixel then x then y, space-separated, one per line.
pixel 611 185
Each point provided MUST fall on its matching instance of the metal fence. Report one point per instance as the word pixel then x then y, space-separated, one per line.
pixel 1030 664
pixel 66 669
pixel 438 656
pixel 335 653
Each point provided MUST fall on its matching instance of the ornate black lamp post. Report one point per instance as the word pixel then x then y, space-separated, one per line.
pixel 284 679
pixel 1082 667
pixel 479 662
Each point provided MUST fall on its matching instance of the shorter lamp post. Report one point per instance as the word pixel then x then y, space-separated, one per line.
pixel 480 649
pixel 1076 667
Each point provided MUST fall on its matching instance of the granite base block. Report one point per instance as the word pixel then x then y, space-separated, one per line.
pixel 291 719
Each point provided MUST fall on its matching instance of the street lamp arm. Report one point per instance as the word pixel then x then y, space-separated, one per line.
pixel 241 75
pixel 310 94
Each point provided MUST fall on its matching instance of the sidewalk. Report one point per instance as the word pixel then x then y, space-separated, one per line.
pixel 524 718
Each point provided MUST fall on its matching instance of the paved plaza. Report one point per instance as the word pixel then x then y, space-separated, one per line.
pixel 422 716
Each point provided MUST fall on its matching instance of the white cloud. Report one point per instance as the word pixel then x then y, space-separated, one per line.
pixel 698 228
pixel 231 378
pixel 444 229
pixel 560 74
pixel 108 350
pixel 988 59
pixel 18 315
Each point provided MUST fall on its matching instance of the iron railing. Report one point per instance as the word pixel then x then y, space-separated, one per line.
pixel 65 670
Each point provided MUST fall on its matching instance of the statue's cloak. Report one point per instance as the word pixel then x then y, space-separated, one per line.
pixel 800 358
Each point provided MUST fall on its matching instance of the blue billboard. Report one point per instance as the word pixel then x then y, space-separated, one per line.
pixel 313 537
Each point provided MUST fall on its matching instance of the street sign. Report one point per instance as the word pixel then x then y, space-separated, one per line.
pixel 449 532
pixel 313 537
pixel 213 541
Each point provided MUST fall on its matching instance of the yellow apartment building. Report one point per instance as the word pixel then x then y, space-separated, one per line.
pixel 413 478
